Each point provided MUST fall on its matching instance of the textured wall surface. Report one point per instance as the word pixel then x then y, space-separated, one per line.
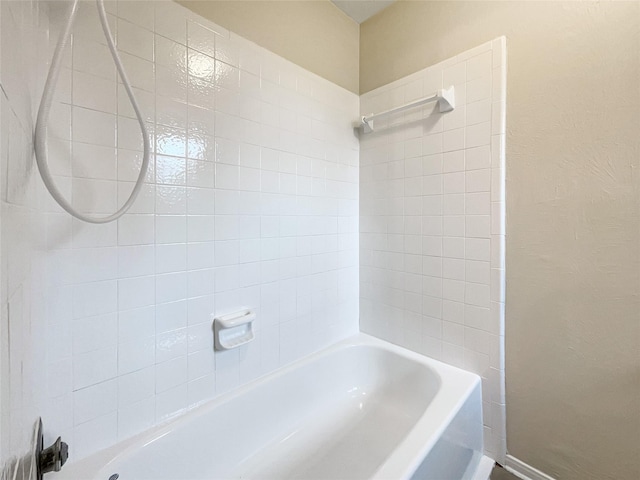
pixel 314 34
pixel 251 200
pixel 432 221
pixel 573 203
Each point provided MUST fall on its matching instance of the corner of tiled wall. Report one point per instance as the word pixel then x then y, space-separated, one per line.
pixel 232 192
pixel 432 221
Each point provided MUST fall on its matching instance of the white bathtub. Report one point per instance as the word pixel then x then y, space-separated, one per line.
pixel 360 409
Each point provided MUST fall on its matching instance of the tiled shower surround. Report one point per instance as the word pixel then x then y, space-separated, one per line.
pixel 252 199
pixel 432 222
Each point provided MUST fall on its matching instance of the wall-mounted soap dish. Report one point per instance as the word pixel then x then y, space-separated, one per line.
pixel 234 329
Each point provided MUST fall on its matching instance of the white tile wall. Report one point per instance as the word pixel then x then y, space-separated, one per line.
pixel 251 199
pixel 432 222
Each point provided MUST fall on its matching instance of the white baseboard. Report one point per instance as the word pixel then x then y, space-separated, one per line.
pixel 524 471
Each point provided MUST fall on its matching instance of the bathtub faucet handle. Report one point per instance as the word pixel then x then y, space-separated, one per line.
pixel 52 458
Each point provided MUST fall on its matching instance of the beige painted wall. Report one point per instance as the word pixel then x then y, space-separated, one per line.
pixel 315 34
pixel 573 226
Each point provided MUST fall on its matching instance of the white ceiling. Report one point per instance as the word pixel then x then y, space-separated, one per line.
pixel 360 10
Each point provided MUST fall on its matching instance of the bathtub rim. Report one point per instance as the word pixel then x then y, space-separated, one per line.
pixel 401 463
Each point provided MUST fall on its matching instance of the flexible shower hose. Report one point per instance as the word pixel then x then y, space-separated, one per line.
pixel 45 108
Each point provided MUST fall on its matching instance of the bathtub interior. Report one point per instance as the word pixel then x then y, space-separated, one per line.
pixel 343 412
